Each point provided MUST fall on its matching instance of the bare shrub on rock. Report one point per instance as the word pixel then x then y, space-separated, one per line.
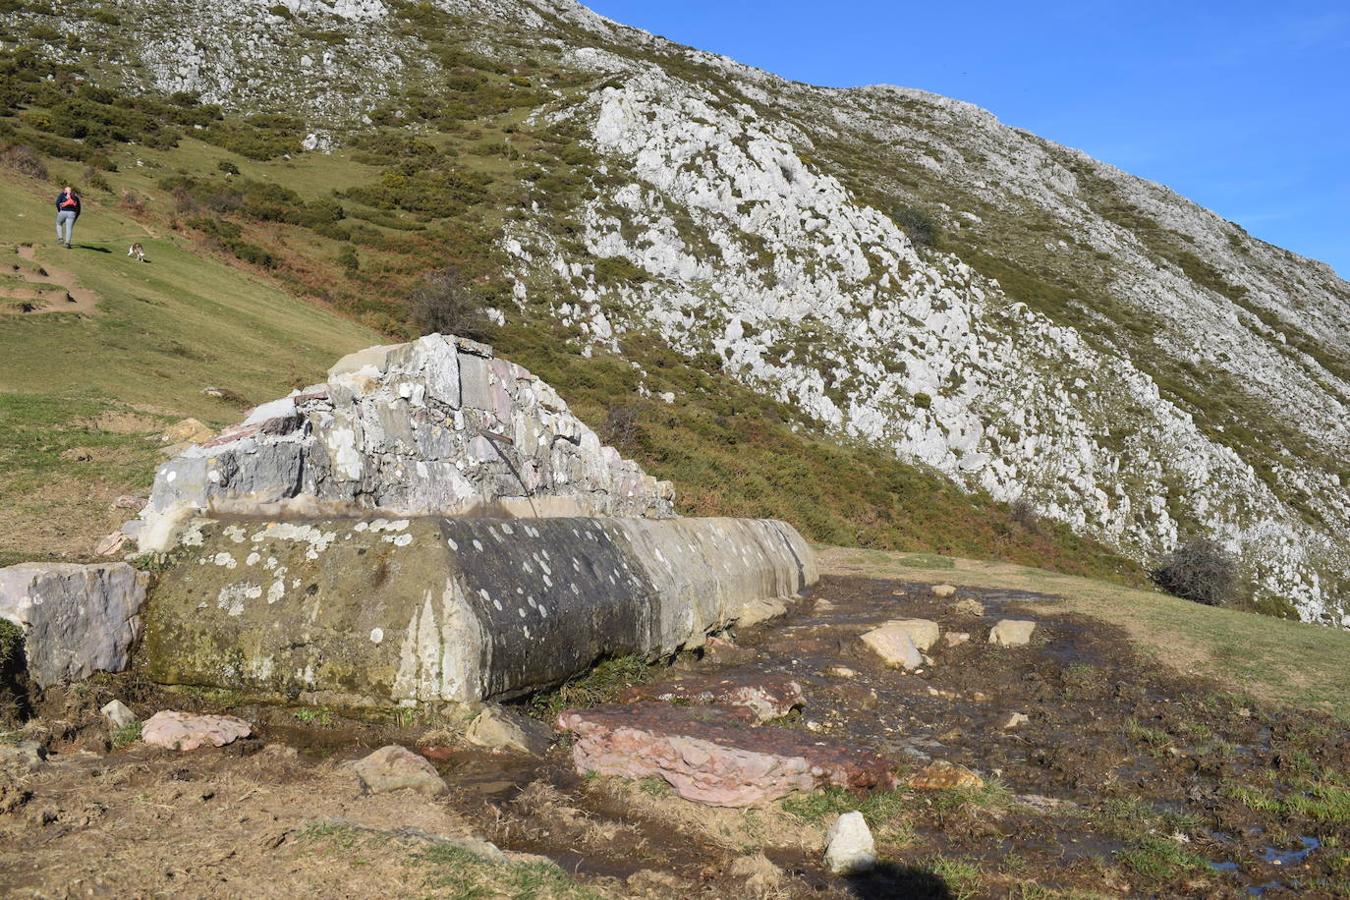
pixel 441 304
pixel 1201 570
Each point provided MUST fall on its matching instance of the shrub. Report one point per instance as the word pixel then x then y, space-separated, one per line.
pixel 1023 512
pixel 348 259
pixel 621 426
pixel 22 159
pixel 921 228
pixel 227 167
pixel 441 304
pixel 1201 570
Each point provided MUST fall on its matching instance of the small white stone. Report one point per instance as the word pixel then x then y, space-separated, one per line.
pixel 376 635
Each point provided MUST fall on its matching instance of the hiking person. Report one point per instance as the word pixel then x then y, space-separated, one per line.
pixel 67 211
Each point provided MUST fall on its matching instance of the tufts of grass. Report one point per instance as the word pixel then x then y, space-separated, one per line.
pixel 319 716
pixel 601 684
pixel 127 735
pixel 1159 858
pixel 962 876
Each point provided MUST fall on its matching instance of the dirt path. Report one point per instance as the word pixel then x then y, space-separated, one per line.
pixel 1123 780
pixel 42 288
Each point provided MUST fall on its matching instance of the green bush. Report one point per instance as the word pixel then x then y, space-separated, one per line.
pixel 921 227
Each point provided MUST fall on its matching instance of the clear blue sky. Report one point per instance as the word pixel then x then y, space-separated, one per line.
pixel 1242 106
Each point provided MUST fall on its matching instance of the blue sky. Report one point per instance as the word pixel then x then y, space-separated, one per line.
pixel 1242 106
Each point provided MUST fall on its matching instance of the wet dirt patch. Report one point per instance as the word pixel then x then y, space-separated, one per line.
pixel 1124 778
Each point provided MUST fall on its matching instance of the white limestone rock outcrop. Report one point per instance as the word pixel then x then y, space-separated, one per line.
pixel 438 426
pixel 76 619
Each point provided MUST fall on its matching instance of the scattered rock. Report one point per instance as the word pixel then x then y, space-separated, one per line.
pixel 849 845
pixel 188 431
pixel 922 632
pixel 184 731
pixel 117 713
pixel 767 696
pixel 1015 720
pixel 758 870
pixel 77 454
pixel 497 729
pixel 77 620
pixel 23 756
pixel 708 758
pixel 721 650
pixel 1012 633
pixel 112 544
pixel 395 768
pixel 941 775
pixel 823 606
pixel 955 638
pixel 894 646
pixel 943 591
pixel 841 672
pixel 968 606
pixel 126 501
pixel 761 609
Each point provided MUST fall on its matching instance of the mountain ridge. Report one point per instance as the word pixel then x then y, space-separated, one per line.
pixel 1066 334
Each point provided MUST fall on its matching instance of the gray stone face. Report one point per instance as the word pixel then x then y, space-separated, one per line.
pixel 413 611
pixel 434 427
pixel 76 619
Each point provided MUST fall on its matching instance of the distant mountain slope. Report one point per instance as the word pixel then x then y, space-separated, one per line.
pixel 899 268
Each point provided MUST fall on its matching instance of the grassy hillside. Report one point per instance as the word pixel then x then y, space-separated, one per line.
pixel 84 399
pixel 262 260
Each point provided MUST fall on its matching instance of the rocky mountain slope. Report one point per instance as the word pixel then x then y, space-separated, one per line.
pixel 900 268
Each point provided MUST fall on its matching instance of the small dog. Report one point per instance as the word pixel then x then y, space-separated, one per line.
pixel 137 251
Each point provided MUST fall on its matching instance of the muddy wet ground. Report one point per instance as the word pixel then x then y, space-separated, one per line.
pixel 1126 779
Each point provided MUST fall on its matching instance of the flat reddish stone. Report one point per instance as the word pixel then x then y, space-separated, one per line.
pixel 708 758
pixel 767 696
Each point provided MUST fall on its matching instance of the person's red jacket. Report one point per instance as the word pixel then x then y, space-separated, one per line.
pixel 68 201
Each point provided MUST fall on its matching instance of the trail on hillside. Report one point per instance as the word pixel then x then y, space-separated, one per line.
pixel 39 288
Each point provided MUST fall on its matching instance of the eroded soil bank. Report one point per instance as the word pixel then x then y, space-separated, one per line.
pixel 1125 779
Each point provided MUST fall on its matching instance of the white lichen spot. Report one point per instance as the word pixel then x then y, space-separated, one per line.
pixel 478 545
pixel 235 533
pixel 252 559
pixel 398 540
pixel 276 591
pixel 376 635
pixel 226 560
pixel 232 597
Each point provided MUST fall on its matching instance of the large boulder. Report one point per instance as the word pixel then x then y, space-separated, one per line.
pixel 412 611
pixel 76 619
pixel 709 757
pixel 435 427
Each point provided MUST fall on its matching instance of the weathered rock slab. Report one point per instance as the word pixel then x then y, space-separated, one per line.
pixel 707 758
pixel 411 611
pixel 433 427
pixel 76 619
pixel 182 731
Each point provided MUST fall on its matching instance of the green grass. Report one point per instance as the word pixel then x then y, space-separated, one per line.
pixel 1159 858
pixel 126 735
pixel 601 684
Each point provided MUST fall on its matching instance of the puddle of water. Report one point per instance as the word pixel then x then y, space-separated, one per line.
pixel 1291 857
pixel 1257 890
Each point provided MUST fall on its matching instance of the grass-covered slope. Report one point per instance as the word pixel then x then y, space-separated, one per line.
pixel 85 398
